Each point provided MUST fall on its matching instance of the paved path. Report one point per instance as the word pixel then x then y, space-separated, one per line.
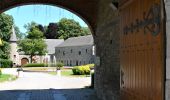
pixel 33 80
pixel 42 86
pixel 49 94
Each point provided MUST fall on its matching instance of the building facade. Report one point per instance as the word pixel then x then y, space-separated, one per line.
pixel 72 52
pixel 14 55
pixel 76 51
pixel 19 58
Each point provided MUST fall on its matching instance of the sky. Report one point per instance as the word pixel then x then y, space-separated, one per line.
pixel 41 14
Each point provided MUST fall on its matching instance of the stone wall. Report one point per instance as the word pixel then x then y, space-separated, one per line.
pixel 167 6
pixel 72 57
pixel 107 74
pixel 104 23
pixel 14 56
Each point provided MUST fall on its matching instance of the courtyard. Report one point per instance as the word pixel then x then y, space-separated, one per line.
pixel 44 86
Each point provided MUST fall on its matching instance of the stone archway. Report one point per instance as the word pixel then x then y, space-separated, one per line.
pixel 89 11
pixel 104 20
pixel 24 61
pixel 85 9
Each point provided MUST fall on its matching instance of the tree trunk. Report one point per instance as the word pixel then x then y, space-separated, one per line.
pixel 31 58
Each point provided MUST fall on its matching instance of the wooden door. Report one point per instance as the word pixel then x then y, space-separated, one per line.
pixel 142 50
pixel 24 61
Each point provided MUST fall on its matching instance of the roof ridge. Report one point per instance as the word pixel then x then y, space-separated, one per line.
pixel 13 37
pixel 78 41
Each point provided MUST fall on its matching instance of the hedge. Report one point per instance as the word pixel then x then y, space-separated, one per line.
pixel 35 65
pixel 81 70
pixel 5 63
pixel 90 65
pixel 59 65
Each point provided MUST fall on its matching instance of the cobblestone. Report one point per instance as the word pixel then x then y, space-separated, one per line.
pixel 49 94
pixel 41 86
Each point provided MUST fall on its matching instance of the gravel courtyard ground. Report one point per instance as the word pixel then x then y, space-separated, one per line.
pixel 43 86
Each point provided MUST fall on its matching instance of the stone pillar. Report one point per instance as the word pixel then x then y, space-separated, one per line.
pixel 167 6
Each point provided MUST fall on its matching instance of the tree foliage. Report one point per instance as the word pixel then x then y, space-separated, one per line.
pixel 31 25
pixel 5 50
pixel 34 43
pixel 33 46
pixel 35 33
pixel 18 33
pixel 52 31
pixel 69 28
pixel 63 29
pixel 42 28
pixel 6 22
pixel 86 31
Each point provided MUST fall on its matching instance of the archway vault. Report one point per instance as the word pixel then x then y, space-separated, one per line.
pixel 85 9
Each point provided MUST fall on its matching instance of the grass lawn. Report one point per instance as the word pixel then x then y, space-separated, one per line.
pixel 7 77
pixel 39 68
pixel 64 71
pixel 68 73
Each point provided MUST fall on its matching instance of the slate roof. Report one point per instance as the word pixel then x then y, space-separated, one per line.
pixel 78 41
pixel 52 43
pixel 13 37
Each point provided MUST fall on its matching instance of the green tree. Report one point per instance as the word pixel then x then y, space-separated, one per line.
pixel 52 31
pixel 18 33
pixel 5 50
pixel 6 22
pixel 34 43
pixel 86 31
pixel 69 28
pixel 35 33
pixel 31 25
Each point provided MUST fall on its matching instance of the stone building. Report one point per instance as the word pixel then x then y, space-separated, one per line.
pixel 19 58
pixel 51 44
pixel 76 51
pixel 132 42
pixel 72 52
pixel 14 55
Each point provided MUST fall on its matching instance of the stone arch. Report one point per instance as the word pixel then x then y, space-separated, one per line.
pixel 24 61
pixel 76 6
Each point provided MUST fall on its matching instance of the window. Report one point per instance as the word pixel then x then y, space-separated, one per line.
pixel 14 56
pixel 77 63
pixel 63 53
pixel 71 51
pixel 86 50
pixel 79 52
pixel 59 51
pixel 70 63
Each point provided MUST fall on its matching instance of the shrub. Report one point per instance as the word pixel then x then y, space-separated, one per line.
pixel 91 66
pixel 59 65
pixel 81 70
pixel 75 70
pixel 35 65
pixel 5 63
